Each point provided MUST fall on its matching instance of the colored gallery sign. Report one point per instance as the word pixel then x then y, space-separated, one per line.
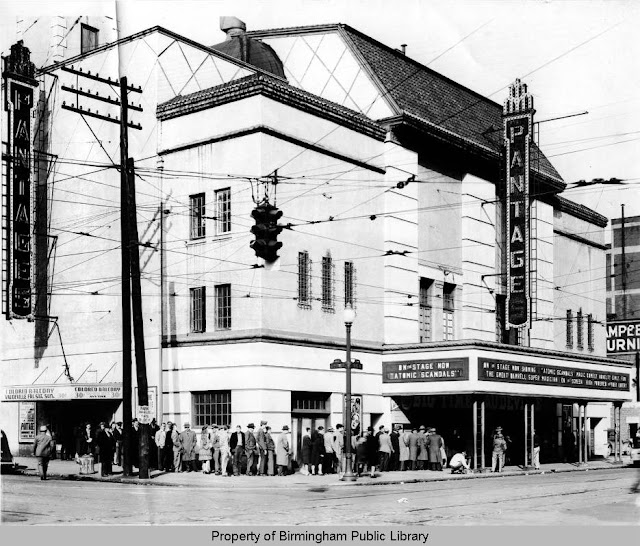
pixel 551 376
pixel 42 393
pixel 27 424
pixel 518 124
pixel 623 337
pixel 408 371
pixel 19 220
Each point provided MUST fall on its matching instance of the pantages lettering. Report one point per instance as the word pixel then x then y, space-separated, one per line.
pixel 518 119
pixel 19 88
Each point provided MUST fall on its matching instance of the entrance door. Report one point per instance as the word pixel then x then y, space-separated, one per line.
pixel 300 425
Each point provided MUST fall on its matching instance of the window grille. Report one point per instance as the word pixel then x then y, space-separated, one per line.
pixel 212 408
pixel 426 310
pixel 198 309
pixel 579 333
pixel 590 322
pixel 88 38
pixel 309 401
pixel 327 284
pixel 569 329
pixel 304 280
pixel 349 284
pixel 196 206
pixel 223 213
pixel 223 306
pixel 448 308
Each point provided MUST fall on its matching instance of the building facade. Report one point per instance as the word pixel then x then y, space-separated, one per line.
pixel 425 206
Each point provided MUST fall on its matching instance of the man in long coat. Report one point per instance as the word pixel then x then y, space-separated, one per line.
pixel 395 454
pixel 237 445
pixel 282 451
pixel 434 446
pixel 423 454
pixel 413 448
pixel 106 446
pixel 189 440
pixel 404 450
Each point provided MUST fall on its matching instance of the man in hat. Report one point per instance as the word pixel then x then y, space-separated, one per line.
pixel 385 448
pixel 189 440
pixel 43 448
pixel 214 440
pixel 499 449
pixel 413 448
pixel 434 447
pixel 423 455
pixel 176 442
pixel 282 451
pixel 261 440
pixel 237 444
pixel 167 450
pixel 106 447
pixel 329 453
pixel 116 430
pixel 338 448
pixel 251 448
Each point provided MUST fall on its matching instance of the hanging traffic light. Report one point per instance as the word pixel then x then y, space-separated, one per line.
pixel 266 230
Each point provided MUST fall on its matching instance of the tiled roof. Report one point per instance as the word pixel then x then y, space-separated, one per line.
pixel 440 101
pixel 423 94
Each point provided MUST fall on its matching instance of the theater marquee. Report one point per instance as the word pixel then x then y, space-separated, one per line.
pixel 450 369
pixel 20 87
pixel 518 125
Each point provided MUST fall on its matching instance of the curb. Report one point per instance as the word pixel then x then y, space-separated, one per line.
pixel 398 481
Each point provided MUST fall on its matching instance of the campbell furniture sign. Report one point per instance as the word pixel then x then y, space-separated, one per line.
pixel 623 337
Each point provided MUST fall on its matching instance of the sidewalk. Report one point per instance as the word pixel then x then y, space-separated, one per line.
pixel 69 470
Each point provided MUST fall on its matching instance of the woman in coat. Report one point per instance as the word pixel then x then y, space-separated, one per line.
pixel 372 451
pixel 204 455
pixel 404 449
pixel 306 452
pixel 271 450
pixel 282 452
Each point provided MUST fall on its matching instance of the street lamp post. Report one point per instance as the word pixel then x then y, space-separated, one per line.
pixel 349 317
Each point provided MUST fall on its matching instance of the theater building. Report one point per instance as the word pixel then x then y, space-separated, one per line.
pixel 424 205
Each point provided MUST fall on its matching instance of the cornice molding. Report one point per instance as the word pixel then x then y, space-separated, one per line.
pixel 579 211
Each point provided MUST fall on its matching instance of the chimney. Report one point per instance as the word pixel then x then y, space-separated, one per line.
pixel 403 48
pixel 232 26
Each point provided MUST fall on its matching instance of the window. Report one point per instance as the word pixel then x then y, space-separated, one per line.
pixel 196 203
pixel 304 280
pixel 448 308
pixel 569 329
pixel 590 322
pixel 309 402
pixel 426 310
pixel 349 284
pixel 89 38
pixel 223 212
pixel 223 306
pixel 579 332
pixel 212 408
pixel 327 283
pixel 198 310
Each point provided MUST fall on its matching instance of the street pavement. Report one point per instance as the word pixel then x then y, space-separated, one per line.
pixel 600 495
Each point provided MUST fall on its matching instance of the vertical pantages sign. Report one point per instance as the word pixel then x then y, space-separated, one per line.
pixel 20 87
pixel 518 131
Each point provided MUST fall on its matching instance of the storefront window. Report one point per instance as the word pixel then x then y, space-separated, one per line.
pixel 212 407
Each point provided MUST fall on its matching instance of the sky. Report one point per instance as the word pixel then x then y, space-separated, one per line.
pixel 576 56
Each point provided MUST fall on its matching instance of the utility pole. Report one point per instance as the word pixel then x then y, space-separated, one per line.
pixel 138 327
pixel 129 242
pixel 127 467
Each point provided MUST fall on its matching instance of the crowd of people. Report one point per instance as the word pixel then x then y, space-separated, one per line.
pixel 217 449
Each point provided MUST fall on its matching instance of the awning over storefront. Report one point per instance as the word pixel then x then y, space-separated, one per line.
pixel 473 368
pixel 43 393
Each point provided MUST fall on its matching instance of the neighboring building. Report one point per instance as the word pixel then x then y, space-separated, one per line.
pixel 390 177
pixel 623 309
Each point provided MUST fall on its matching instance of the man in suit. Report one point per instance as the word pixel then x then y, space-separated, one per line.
pixel 237 445
pixel 43 447
pixel 176 444
pixel 251 448
pixel 214 440
pixel 434 446
pixel 261 440
pixel 189 440
pixel 160 437
pixel 106 446
pixel 394 461
pixel 413 448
